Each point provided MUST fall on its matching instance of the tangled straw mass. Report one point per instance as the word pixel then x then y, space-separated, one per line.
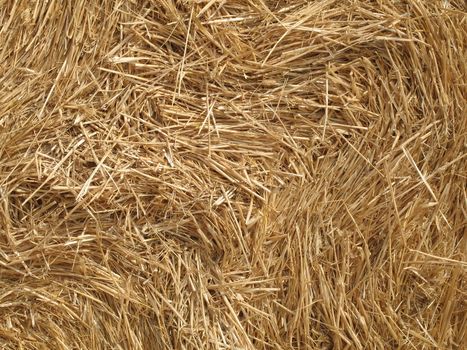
pixel 248 174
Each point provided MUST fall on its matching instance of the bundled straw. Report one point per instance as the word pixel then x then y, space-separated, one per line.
pixel 251 174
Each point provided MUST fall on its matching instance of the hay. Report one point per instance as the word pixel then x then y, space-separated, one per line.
pixel 248 174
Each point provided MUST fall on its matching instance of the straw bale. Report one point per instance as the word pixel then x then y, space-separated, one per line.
pixel 248 174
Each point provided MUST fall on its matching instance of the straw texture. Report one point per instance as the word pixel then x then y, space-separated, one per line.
pixel 251 174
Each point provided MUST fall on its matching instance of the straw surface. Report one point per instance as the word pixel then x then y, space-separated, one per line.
pixel 251 174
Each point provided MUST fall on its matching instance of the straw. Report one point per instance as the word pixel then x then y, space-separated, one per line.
pixel 243 174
